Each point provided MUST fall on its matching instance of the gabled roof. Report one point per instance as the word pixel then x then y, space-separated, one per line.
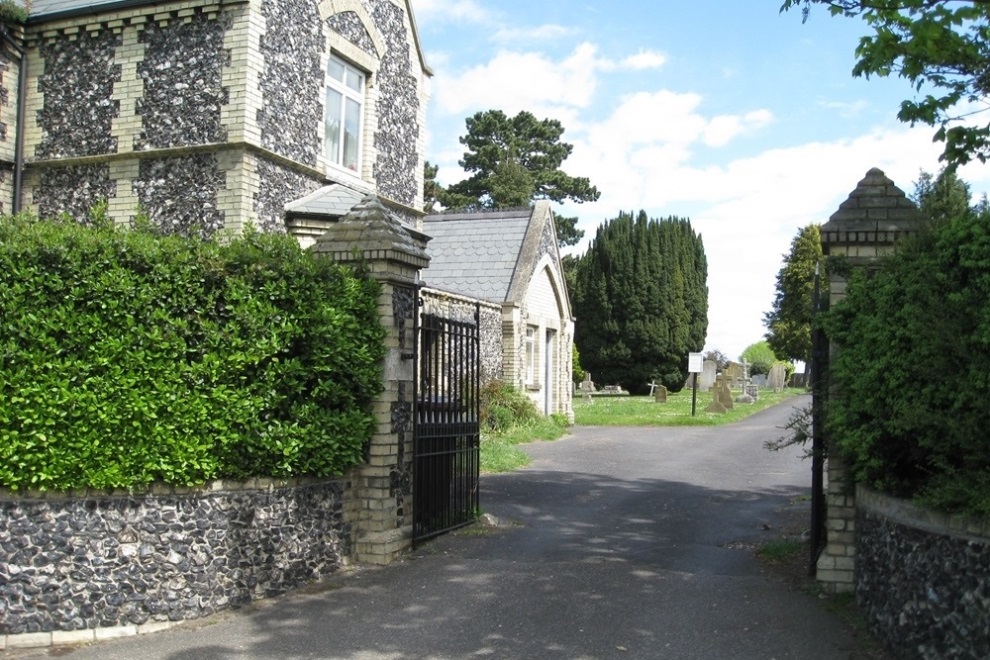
pixel 475 254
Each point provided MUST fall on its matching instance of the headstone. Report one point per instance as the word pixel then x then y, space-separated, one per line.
pixel 708 372
pixel 760 380
pixel 734 374
pixel 653 386
pixel 724 393
pixel 660 396
pixel 753 391
pixel 745 398
pixel 586 385
pixel 777 377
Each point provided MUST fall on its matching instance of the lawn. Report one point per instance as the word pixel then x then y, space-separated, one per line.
pixel 500 451
pixel 644 411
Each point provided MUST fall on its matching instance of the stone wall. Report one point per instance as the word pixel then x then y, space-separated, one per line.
pixel 923 579
pixel 180 193
pixel 461 308
pixel 76 116
pixel 100 560
pixel 292 80
pixel 277 186
pixel 73 190
pixel 181 72
pixel 397 140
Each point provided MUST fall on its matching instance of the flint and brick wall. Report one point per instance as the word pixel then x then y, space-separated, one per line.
pixel 923 578
pixel 76 563
pixel 461 308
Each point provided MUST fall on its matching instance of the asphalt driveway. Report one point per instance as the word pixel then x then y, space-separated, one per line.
pixel 614 543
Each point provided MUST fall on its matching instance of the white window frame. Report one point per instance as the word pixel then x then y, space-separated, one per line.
pixel 530 356
pixel 344 101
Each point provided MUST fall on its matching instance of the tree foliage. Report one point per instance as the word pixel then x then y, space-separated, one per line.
pixel 942 49
pixel 567 231
pixel 760 357
pixel 493 139
pixel 433 192
pixel 720 359
pixel 512 162
pixel 914 342
pixel 641 301
pixel 789 321
pixel 943 197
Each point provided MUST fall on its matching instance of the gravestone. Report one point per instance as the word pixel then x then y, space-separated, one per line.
pixel 777 377
pixel 707 375
pixel 753 391
pixel 724 393
pixel 760 380
pixel 660 394
pixel 721 397
pixel 586 385
pixel 734 374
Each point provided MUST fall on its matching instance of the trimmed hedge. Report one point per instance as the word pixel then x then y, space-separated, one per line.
pixel 912 366
pixel 128 358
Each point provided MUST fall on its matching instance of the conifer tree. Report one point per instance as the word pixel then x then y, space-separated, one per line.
pixel 641 301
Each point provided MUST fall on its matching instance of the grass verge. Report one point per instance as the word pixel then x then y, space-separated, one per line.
pixel 644 411
pixel 499 450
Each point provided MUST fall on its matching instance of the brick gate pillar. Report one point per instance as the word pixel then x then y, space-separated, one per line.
pixel 867 226
pixel 378 506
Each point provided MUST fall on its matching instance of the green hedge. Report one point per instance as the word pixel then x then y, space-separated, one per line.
pixel 128 358
pixel 913 367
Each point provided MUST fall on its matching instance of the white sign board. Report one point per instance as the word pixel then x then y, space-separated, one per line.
pixel 695 361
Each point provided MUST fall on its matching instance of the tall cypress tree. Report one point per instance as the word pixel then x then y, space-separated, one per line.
pixel 641 301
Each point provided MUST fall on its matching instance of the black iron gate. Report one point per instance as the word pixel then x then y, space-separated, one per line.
pixel 446 431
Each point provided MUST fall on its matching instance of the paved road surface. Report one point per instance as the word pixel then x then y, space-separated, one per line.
pixel 616 543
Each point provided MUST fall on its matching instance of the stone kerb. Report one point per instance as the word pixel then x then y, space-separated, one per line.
pixel 380 505
pixel 876 215
pixel 923 578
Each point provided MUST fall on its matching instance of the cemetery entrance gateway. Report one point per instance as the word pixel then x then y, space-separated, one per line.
pixel 446 431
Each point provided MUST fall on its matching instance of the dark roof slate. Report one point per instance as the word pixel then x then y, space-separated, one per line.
pixel 333 200
pixel 475 254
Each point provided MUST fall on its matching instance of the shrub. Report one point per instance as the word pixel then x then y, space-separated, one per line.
pixel 503 406
pixel 914 342
pixel 128 358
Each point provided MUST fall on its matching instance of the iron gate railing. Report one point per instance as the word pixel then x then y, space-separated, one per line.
pixel 446 431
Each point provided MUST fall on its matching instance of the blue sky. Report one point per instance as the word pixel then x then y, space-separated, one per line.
pixel 727 112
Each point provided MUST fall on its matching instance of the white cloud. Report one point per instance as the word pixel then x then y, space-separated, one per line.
pixel 541 33
pixel 641 61
pixel 723 128
pixel 845 109
pixel 514 81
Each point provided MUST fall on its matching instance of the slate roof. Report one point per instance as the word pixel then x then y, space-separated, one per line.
pixel 45 8
pixel 333 200
pixel 475 254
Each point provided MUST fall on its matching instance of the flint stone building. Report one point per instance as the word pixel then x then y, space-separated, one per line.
pixel 208 114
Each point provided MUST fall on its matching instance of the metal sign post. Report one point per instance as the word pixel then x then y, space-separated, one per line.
pixel 695 363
